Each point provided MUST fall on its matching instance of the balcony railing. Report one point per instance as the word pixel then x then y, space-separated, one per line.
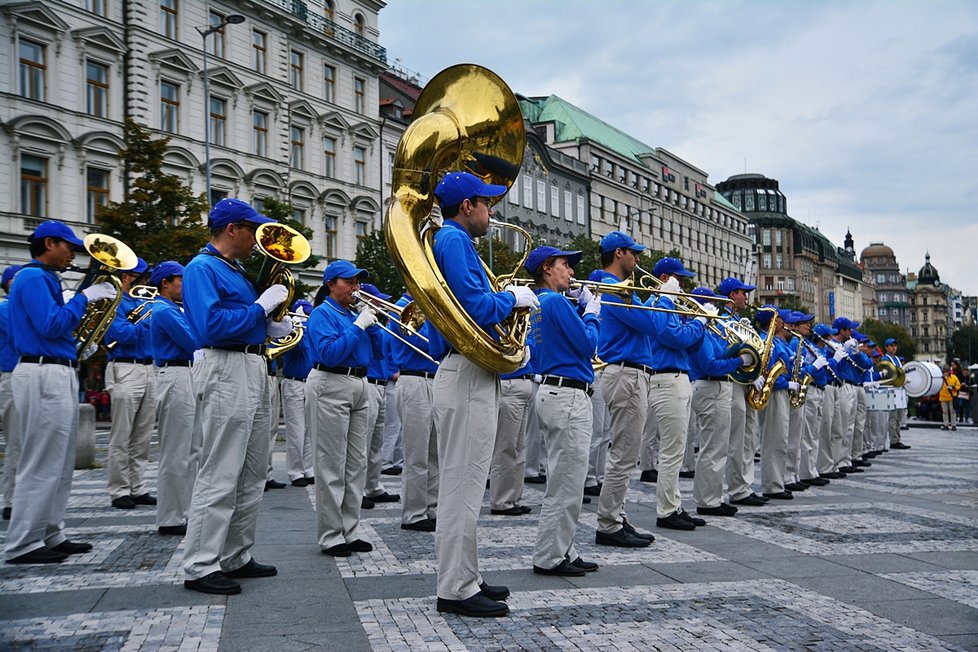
pixel 319 23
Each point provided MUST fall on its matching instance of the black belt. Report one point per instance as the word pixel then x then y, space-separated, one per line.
pixel 377 381
pixel 635 365
pixel 359 372
pixel 46 359
pixel 670 370
pixel 419 374
pixel 301 380
pixel 257 349
pixel 133 360
pixel 849 382
pixel 560 381
pixel 719 379
pixel 523 377
pixel 177 363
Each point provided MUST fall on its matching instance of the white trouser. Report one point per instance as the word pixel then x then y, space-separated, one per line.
pixel 46 402
pixel 133 409
pixel 534 450
pixel 232 393
pixel 648 448
pixel 336 414
pixel 466 403
pixel 275 408
pixel 564 415
pixel 393 453
pixel 847 422
pixel 808 456
pixel 692 440
pixel 298 444
pixel 796 426
pixel 11 433
pixel 176 409
pixel 875 429
pixel 829 430
pixel 774 442
pixel 509 449
pixel 859 427
pixel 600 435
pixel 669 396
pixel 710 403
pixel 740 456
pixel 376 418
pixel 419 480
pixel 893 422
pixel 626 391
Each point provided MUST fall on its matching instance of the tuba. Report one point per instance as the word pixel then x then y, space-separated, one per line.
pixel 107 253
pixel 758 399
pixel 281 245
pixel 466 118
pixel 893 376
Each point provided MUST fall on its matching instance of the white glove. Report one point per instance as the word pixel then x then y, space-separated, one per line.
pixel 525 298
pixel 746 359
pixel 366 319
pixel 582 294
pixel 593 307
pixel 759 383
pixel 67 295
pixel 198 355
pixel 89 352
pixel 526 357
pixel 793 386
pixel 711 308
pixel 363 305
pixel 852 344
pixel 275 329
pixel 870 384
pixel 272 298
pixel 701 320
pixel 99 291
pixel 820 362
pixel 672 285
pixel 840 354
pixel 537 378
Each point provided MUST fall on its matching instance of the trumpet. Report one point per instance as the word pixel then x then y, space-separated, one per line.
pixel 405 322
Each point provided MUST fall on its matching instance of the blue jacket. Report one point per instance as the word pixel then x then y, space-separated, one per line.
pixel 566 343
pixel 170 334
pixel 336 341
pixel 49 323
pixel 132 340
pixel 297 361
pixel 626 333
pixel 8 356
pixel 706 360
pixel 380 365
pixel 219 301
pixel 673 336
pixel 402 355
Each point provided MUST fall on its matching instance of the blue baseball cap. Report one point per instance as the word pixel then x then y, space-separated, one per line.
pixel 706 295
pixel 764 316
pixel 730 284
pixel 344 269
pixel 859 336
pixel 540 255
pixel 370 288
pixel 301 305
pixel 456 187
pixel 8 274
pixel 164 270
pixel 140 267
pixel 619 240
pixel 55 229
pixel 801 317
pixel 230 211
pixel 875 353
pixel 888 341
pixel 842 324
pixel 824 330
pixel 671 266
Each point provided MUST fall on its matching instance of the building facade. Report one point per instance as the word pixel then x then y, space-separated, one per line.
pixel 892 298
pixel 930 321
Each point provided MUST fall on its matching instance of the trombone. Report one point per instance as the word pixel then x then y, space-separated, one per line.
pixel 408 315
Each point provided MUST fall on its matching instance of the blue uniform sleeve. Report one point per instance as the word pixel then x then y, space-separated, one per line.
pixel 204 307
pixel 176 328
pixel 673 332
pixel 125 332
pixel 45 311
pixel 462 268
pixel 710 361
pixel 333 340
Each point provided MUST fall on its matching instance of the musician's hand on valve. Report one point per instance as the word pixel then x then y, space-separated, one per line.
pixel 99 291
pixel 593 307
pixel 671 286
pixel 852 344
pixel 711 309
pixel 88 352
pixel 582 294
pixel 527 351
pixel 746 360
pixel 793 386
pixel 366 319
pixel 272 298
pixel 820 362
pixel 840 354
pixel 525 298
pixel 759 383
pixel 275 329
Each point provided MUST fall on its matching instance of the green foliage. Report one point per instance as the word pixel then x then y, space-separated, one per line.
pixel 372 255
pixel 964 343
pixel 281 211
pixel 881 331
pixel 590 255
pixel 160 218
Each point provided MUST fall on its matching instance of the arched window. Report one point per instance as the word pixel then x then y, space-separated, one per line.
pixel 359 25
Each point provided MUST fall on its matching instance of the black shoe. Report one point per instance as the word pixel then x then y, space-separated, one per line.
pixel 366 503
pixel 625 525
pixel 698 522
pixel 478 606
pixel 589 491
pixel 585 500
pixel 816 482
pixel 723 509
pixel 172 530
pixel 216 583
pixel 300 482
pixel 426 525
pixel 391 470
pixel 900 446
pixel 339 550
pixel 780 495
pixel 123 502
pixel 274 484
pixel 359 545
pixel 764 498
pixel 7 510
pixel 687 474
pixel 252 569
pixel 515 510
pixel 621 539
pixel 384 497
pixel 651 476
pixel 493 592
pixel 750 500
pixel 796 486
pixel 675 521
pixel 588 566
pixel 72 547
pixel 536 479
pixel 850 469
pixel 39 556
pixel 862 463
pixel 564 569
pixel 831 475
pixel 310 480
pixel 147 499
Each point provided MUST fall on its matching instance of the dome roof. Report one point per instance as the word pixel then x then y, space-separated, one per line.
pixel 876 249
pixel 928 273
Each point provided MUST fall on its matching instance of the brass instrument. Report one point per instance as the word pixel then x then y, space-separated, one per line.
pixel 147 294
pixel 466 118
pixel 407 329
pixel 893 376
pixel 107 253
pixel 276 346
pixel 281 245
pixel 797 397
pixel 409 318
pixel 757 399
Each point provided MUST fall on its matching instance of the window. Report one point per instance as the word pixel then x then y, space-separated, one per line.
pixel 358 25
pixel 95 6
pixel 295 70
pixel 767 261
pixel 169 107
pixel 749 201
pixel 330 224
pixel 595 163
pixel 259 51
pixel 780 261
pixel 359 166
pixel 218 118
pixel 581 216
pixel 215 46
pixel 527 191
pixel 329 157
pixel 513 196
pixel 329 84
pixel 217 195
pixel 296 146
pixel 97 89
pixel 32 70
pixel 299 215
pixel 97 195
pixel 259 120
pixel 777 237
pixel 168 18
pixel 33 185
pixel 568 207
pixel 541 196
pixel 765 236
pixel 361 232
pixel 555 201
pixel 359 95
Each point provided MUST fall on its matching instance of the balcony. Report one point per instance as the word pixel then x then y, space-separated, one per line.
pixel 320 24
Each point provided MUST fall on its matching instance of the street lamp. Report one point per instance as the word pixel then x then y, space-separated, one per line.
pixel 230 19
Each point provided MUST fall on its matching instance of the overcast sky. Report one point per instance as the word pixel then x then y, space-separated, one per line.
pixel 866 112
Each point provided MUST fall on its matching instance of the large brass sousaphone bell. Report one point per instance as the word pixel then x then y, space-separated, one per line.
pixel 466 118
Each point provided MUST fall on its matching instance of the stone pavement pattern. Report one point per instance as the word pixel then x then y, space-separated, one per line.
pixel 883 560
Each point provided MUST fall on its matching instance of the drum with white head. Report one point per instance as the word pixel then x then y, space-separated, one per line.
pixel 923 379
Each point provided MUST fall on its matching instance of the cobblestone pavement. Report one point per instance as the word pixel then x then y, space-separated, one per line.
pixel 883 560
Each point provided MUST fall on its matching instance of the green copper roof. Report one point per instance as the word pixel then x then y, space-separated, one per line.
pixel 574 124
pixel 720 199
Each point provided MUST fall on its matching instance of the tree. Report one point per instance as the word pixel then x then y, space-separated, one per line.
pixel 160 217
pixel 373 256
pixel 881 331
pixel 590 255
pixel 964 343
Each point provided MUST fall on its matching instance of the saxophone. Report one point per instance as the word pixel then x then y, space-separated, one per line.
pixel 758 399
pixel 804 380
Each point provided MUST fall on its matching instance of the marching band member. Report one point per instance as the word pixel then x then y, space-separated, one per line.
pixel 296 363
pixel 601 428
pixel 774 416
pixel 867 379
pixel 796 416
pixel 393 452
pixel 876 420
pixel 45 394
pixel 506 471
pixel 852 385
pixel 274 410
pixel 894 416
pixel 173 347
pixel 466 398
pixel 821 379
pixel 830 428
pixel 566 343
pixel 129 381
pixel 8 360
pixel 337 398
pixel 230 320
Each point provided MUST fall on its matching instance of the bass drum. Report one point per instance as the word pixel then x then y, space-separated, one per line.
pixel 923 379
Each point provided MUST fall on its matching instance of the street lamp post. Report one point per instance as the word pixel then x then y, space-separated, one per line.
pixel 230 19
